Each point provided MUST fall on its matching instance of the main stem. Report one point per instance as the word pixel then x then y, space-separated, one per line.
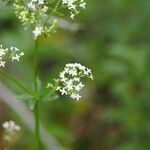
pixel 37 126
pixel 36 108
pixel 35 65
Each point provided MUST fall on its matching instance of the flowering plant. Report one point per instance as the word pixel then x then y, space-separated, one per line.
pixel 37 15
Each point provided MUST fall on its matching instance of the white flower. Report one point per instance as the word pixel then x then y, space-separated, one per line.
pixel 76 79
pixel 31 6
pixel 2 63
pixel 37 32
pixel 34 4
pixel 69 82
pixel 73 72
pixel 79 86
pixel 82 5
pixel 72 16
pixel 63 91
pixel 2 51
pixel 62 74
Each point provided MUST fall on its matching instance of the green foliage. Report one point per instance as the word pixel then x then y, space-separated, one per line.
pixel 9 2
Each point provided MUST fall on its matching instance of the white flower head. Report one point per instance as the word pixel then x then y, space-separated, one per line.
pixel 11 129
pixel 11 126
pixel 69 82
pixel 73 6
pixel 13 53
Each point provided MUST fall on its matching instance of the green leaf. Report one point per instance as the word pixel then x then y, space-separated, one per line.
pixel 32 103
pixel 50 97
pixel 24 97
pixel 28 99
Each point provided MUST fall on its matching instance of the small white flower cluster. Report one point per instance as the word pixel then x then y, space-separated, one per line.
pixel 34 13
pixel 13 53
pixel 37 32
pixel 69 82
pixel 34 4
pixel 11 128
pixel 73 6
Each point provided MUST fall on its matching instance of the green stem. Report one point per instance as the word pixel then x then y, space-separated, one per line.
pixel 36 108
pixel 35 64
pixel 15 81
pixel 37 126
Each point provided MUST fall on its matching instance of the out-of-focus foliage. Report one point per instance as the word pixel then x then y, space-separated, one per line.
pixel 114 41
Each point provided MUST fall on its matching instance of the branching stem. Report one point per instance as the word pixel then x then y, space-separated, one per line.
pixel 15 81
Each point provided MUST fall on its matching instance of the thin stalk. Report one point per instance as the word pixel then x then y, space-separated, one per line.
pixel 36 108
pixel 53 11
pixel 35 65
pixel 15 81
pixel 56 6
pixel 37 126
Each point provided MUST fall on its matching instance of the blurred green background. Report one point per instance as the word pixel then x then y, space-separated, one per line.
pixel 113 40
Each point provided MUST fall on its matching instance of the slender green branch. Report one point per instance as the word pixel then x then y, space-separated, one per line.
pixel 15 81
pixel 53 11
pixel 57 4
pixel 35 64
